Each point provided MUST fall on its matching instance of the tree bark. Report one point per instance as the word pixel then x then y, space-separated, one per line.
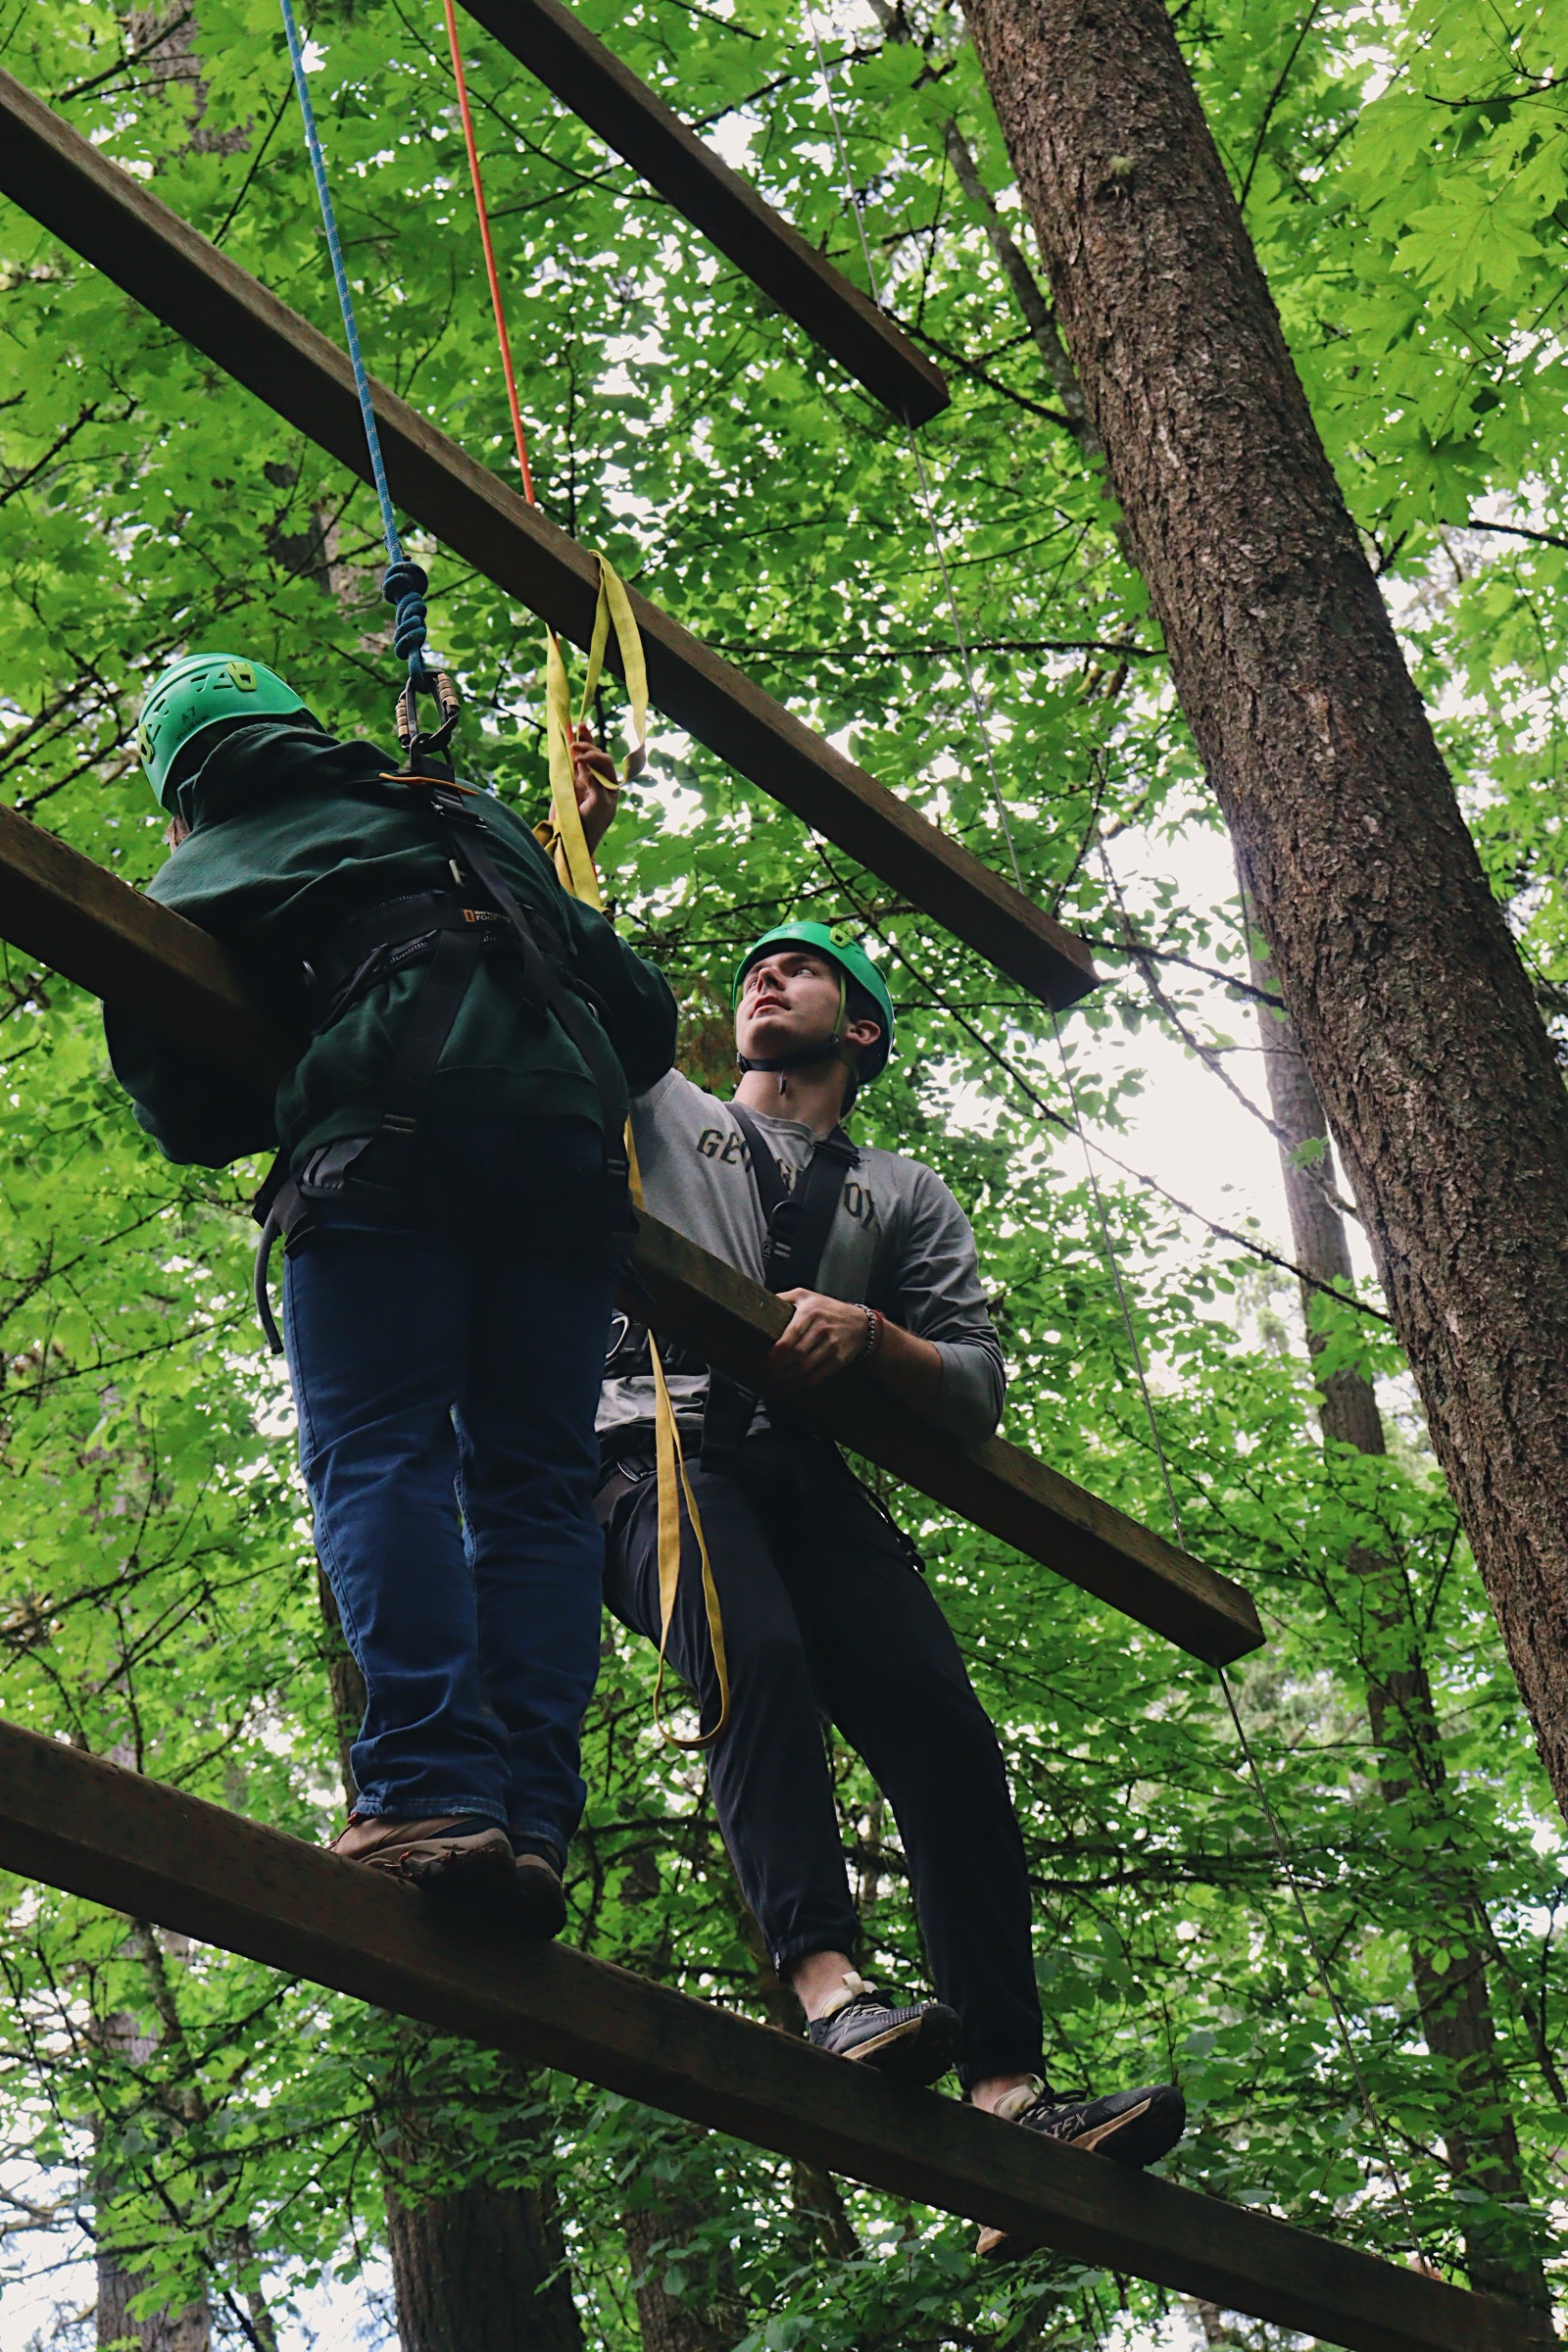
pixel 1453 1998
pixel 484 2267
pixel 1413 1011
pixel 189 2330
pixel 682 2318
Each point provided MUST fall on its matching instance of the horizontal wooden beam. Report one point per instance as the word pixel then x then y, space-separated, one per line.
pixel 76 192
pixel 84 921
pixel 589 79
pixel 88 924
pixel 728 1320
pixel 137 1846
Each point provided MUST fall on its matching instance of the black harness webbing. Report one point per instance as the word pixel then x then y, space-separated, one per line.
pixel 443 931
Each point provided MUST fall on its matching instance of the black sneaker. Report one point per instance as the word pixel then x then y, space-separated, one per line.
pixel 914 2045
pixel 1130 2126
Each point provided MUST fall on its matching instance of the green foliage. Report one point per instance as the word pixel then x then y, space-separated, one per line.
pixel 1402 170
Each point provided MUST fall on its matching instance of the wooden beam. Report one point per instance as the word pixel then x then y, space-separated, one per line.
pixel 137 1846
pixel 92 927
pixel 608 96
pixel 65 182
pixel 707 1305
pixel 84 921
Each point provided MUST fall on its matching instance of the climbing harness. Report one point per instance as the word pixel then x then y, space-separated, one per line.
pixel 449 933
pixel 798 1224
pixel 981 716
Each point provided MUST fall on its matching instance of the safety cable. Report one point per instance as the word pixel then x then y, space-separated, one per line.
pixel 567 845
pixel 1282 1850
pixel 405 582
pixel 480 207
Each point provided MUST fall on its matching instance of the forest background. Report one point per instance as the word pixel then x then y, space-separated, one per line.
pixel 217 2146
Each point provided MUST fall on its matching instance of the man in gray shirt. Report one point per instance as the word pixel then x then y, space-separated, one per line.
pixel 825 1609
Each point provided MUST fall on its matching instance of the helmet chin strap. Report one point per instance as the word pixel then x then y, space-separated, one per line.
pixel 804 1058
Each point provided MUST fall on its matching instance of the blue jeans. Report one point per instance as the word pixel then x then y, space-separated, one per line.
pixel 445 1378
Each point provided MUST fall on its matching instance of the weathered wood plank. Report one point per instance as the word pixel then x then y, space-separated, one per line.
pixel 707 1305
pixel 63 181
pixel 589 79
pixel 92 927
pixel 84 921
pixel 137 1846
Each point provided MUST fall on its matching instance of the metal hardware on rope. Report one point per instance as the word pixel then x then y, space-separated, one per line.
pixel 405 582
pixel 981 713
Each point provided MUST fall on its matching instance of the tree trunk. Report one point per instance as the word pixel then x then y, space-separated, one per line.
pixel 678 2317
pixel 187 2331
pixel 485 2267
pixel 1413 1011
pixel 1455 2000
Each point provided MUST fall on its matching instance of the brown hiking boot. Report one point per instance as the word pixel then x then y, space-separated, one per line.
pixel 452 1854
pixel 538 1898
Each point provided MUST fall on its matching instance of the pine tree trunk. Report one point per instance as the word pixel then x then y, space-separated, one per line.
pixel 1412 1008
pixel 1455 2000
pixel 485 2267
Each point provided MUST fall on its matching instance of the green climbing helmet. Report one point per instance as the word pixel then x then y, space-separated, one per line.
pixel 854 964
pixel 204 690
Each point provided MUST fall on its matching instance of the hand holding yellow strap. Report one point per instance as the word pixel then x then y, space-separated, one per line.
pixel 567 843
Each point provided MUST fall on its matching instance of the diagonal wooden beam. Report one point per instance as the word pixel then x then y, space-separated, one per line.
pixel 77 193
pixel 137 1846
pixel 652 137
pixel 728 1320
pixel 86 923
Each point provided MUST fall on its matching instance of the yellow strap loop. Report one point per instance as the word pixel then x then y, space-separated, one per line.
pixel 564 838
pixel 567 845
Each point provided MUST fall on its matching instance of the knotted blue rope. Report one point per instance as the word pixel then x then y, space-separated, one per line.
pixel 405 582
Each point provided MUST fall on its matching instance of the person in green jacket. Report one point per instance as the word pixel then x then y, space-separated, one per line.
pixel 450 1186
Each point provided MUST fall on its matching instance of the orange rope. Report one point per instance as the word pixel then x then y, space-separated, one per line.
pixel 489 250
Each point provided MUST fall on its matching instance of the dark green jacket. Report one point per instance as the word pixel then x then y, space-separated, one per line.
pixel 290 834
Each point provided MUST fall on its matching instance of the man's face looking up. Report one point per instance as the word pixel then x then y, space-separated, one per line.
pixel 791 999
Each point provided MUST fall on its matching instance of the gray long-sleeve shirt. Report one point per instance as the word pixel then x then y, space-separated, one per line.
pixel 899 1241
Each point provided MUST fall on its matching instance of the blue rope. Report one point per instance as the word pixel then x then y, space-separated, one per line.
pixel 405 581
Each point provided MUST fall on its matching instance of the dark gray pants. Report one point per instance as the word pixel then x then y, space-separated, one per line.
pixel 825 1616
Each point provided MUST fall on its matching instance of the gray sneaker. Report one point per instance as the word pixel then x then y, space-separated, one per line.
pixel 1130 2126
pixel 914 2042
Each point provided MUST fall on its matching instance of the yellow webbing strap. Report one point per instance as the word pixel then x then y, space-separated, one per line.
pixel 673 1480
pixel 564 838
pixel 565 841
